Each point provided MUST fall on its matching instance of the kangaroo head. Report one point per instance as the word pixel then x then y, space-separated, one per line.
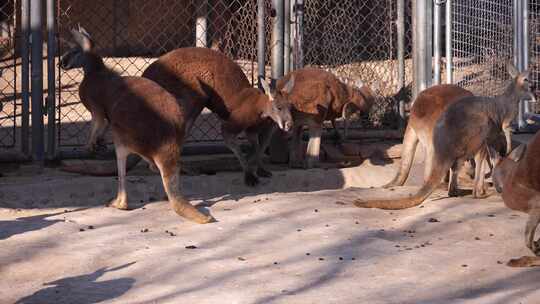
pixel 361 97
pixel 521 81
pixel 503 166
pixel 278 107
pixel 74 57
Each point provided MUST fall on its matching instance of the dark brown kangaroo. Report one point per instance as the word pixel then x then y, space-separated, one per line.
pixel 517 177
pixel 462 132
pixel 145 119
pixel 317 96
pixel 214 81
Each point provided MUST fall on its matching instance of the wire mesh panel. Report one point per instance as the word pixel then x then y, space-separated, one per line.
pixel 534 49
pixel 482 44
pixel 356 39
pixel 130 35
pixel 8 77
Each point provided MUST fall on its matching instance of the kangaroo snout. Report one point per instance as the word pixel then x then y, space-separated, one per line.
pixel 287 126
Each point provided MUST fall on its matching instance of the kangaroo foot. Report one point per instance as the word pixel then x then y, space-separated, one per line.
pixel 261 172
pixel 480 194
pixel 524 261
pixel 186 210
pixel 251 179
pixel 118 203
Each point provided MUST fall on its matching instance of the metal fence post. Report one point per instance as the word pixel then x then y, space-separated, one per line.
pixel 437 41
pixel 286 36
pixel 278 150
pixel 25 80
pixel 519 44
pixel 448 42
pixel 201 26
pixel 277 40
pixel 51 77
pixel 423 44
pixel 400 28
pixel 261 41
pixel 38 146
pixel 299 34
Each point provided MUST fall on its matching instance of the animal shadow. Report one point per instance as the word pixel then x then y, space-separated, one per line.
pixel 82 289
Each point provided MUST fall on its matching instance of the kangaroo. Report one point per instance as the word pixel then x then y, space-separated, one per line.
pixel 214 81
pixel 145 119
pixel 425 111
pixel 463 131
pixel 317 96
pixel 517 177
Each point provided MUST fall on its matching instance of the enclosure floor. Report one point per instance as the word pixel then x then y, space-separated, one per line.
pixel 290 246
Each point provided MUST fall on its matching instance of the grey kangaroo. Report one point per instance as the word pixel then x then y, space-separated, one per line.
pixel 462 132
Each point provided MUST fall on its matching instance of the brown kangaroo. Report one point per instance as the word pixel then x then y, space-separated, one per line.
pixel 145 119
pixel 425 111
pixel 517 177
pixel 463 131
pixel 214 81
pixel 317 96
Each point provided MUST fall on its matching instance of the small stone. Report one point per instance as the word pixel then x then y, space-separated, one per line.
pixel 477 238
pixel 191 247
pixel 275 263
pixel 433 220
pixel 499 262
pixel 241 259
pixel 353 259
pixel 464 265
pixel 340 203
pixel 90 227
pixel 341 258
pixel 307 253
pixel 144 230
pixel 81 229
pixel 356 222
pixel 316 210
pixel 491 215
pixel 298 230
pixel 321 259
pixel 491 234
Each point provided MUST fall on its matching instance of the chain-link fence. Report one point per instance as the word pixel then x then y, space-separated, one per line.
pixel 482 44
pixel 8 77
pixel 358 40
pixel 130 35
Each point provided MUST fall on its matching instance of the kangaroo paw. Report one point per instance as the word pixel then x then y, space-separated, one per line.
pixel 251 179
pixel 118 203
pixel 261 172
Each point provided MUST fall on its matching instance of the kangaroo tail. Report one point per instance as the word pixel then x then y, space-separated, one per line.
pixel 435 178
pixel 98 168
pixel 410 141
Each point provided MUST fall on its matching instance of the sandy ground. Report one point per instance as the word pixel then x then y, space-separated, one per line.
pixel 296 239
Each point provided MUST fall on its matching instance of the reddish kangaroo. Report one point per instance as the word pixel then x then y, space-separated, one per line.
pixel 317 96
pixel 426 110
pixel 214 81
pixel 463 131
pixel 517 177
pixel 145 119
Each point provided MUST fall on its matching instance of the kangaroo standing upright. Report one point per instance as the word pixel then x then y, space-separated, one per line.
pixel 517 177
pixel 462 132
pixel 426 110
pixel 317 96
pixel 214 81
pixel 145 119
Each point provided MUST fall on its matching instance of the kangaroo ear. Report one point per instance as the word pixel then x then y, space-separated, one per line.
pixel 289 86
pixel 512 70
pixel 517 153
pixel 266 87
pixel 82 38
